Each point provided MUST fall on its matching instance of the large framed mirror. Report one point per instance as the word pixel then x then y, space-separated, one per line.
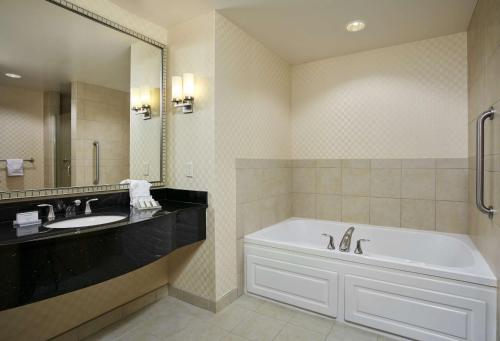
pixel 82 101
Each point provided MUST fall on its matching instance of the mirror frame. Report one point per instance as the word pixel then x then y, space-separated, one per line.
pixel 63 191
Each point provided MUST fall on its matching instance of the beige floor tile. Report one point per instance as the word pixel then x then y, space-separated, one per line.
pixel 249 302
pixel 200 330
pixel 141 333
pixel 295 333
pixel 169 324
pixel 259 328
pixel 312 322
pixel 232 337
pixel 232 316
pixel 276 311
pixel 344 332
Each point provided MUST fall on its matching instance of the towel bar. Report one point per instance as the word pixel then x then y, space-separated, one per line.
pixel 25 160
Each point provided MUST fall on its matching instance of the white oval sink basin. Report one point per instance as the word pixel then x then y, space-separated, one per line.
pixel 85 221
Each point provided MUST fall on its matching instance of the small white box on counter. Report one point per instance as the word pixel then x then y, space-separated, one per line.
pixel 25 218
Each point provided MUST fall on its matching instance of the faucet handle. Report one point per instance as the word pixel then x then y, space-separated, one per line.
pixel 87 205
pixel 51 215
pixel 331 243
pixel 358 249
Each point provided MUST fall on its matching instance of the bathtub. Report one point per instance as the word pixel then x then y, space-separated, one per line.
pixel 415 284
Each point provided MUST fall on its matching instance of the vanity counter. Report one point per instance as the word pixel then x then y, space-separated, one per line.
pixel 52 262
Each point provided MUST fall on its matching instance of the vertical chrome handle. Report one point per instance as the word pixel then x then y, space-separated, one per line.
pixel 96 147
pixel 489 114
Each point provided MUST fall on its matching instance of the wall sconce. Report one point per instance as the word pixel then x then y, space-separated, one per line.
pixel 140 100
pixel 183 92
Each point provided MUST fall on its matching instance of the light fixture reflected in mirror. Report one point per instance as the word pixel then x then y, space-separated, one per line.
pixel 140 101
pixel 183 92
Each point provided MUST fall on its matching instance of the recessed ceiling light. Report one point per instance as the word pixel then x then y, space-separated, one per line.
pixel 355 26
pixel 13 75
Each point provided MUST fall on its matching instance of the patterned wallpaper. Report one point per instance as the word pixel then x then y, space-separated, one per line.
pixel 241 110
pixel 190 138
pixel 22 132
pixel 405 101
pixel 252 106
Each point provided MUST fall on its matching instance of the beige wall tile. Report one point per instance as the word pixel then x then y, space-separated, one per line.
pixel 328 207
pixel 269 211
pixel 451 184
pixel 356 209
pixel 304 205
pixel 356 163
pixel 418 184
pixel 385 183
pixel 329 180
pixel 303 163
pixel 248 185
pixel 452 163
pixel 248 218
pixel 419 214
pixel 385 212
pixel 386 163
pixel 451 217
pixel 356 181
pixel 276 181
pixel 419 163
pixel 329 163
pixel 304 180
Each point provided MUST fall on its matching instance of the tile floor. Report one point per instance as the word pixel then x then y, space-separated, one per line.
pixel 248 318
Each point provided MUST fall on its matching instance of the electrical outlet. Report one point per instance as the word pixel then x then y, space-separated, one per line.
pixel 145 169
pixel 189 169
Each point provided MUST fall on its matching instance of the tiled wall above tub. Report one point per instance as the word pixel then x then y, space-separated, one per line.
pixel 415 193
pixel 263 198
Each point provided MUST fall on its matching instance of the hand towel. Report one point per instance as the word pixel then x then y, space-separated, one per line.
pixel 138 190
pixel 15 167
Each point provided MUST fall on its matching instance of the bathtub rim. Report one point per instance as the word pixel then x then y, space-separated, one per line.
pixel 486 277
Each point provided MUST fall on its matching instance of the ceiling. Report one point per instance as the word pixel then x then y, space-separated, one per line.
pixel 306 30
pixel 50 47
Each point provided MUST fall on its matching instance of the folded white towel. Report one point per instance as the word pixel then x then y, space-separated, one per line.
pixel 15 167
pixel 138 190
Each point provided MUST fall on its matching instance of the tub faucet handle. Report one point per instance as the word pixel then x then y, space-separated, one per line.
pixel 331 243
pixel 358 249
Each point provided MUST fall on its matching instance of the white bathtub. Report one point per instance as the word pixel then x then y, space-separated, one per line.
pixel 417 284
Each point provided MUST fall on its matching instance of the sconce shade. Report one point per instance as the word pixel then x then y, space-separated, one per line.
pixel 188 85
pixel 176 88
pixel 135 98
pixel 145 96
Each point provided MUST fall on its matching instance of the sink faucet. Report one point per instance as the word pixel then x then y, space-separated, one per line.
pixel 87 205
pixel 71 209
pixel 345 243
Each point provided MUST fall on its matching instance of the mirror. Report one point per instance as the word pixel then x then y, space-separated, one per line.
pixel 80 102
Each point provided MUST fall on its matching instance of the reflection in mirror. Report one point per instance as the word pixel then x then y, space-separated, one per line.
pixel 83 100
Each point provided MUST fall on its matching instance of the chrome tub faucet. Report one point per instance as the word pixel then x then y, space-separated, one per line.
pixel 345 243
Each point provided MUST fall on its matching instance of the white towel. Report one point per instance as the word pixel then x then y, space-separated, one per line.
pixel 15 167
pixel 138 190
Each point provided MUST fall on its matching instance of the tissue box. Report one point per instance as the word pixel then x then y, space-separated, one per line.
pixel 27 218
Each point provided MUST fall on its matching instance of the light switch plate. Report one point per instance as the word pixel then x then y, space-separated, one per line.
pixel 189 171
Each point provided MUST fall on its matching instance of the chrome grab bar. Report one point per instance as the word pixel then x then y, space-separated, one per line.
pixel 96 147
pixel 489 114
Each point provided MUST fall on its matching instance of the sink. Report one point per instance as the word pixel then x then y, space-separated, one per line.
pixel 91 220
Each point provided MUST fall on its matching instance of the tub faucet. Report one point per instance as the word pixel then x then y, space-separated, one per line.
pixel 345 243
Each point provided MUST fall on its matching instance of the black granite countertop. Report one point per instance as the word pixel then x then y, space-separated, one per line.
pixel 10 235
pixel 41 263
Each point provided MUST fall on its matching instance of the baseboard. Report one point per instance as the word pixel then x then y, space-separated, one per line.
pixel 201 302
